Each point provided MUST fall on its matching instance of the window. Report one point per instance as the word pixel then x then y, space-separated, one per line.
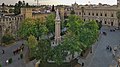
pixel 79 13
pixel 93 14
pixel 96 20
pixel 84 19
pixel 84 13
pixel 105 15
pixel 96 14
pixel 112 15
pixel 100 14
pixel 105 22
pixel 89 13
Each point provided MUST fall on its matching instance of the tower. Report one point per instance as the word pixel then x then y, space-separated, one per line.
pixel 57 28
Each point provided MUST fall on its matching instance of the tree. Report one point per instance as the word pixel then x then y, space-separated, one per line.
pixel 80 35
pixel 50 23
pixel 72 12
pixel 11 10
pixel 7 38
pixel 43 51
pixel 32 43
pixel 17 8
pixel 23 3
pixel 3 7
pixel 27 4
pixel 33 27
pixel 118 16
pixel 53 9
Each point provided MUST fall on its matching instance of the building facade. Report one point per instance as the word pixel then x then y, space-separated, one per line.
pixel 9 24
pixel 35 12
pixel 102 13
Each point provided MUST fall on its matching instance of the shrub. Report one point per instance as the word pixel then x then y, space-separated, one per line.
pixel 21 56
pixel 10 60
pixel 0 65
pixel 7 39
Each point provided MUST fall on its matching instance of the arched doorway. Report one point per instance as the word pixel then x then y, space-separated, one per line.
pixel 111 23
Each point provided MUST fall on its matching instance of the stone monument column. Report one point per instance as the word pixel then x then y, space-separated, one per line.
pixel 57 28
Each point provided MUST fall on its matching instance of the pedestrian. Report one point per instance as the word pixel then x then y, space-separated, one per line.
pixel 107 47
pixel 7 61
pixel 3 51
pixel 110 49
pixel 82 64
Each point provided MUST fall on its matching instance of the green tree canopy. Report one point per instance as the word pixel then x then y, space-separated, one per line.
pixel 118 16
pixel 32 41
pixel 80 35
pixel 72 12
pixel 50 23
pixel 32 27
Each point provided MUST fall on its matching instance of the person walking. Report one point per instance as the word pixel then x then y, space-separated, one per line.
pixel 3 51
pixel 110 48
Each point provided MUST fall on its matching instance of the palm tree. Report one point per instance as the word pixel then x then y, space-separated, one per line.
pixel 118 16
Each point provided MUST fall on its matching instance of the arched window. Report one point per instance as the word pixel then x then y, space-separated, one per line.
pixel 112 15
pixel 84 13
pixel 105 22
pixel 93 14
pixel 100 14
pixel 79 13
pixel 89 13
pixel 105 15
pixel 96 14
pixel 84 19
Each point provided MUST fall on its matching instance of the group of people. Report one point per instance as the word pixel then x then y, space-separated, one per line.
pixel 109 48
pixel 112 50
pixel 18 49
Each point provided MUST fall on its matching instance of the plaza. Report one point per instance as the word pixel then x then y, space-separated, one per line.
pixel 41 35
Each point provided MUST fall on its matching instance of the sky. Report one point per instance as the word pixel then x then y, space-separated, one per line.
pixel 61 2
